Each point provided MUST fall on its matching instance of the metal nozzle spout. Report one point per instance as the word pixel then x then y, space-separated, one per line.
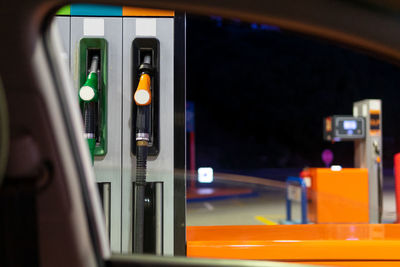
pixel 94 64
pixel 147 59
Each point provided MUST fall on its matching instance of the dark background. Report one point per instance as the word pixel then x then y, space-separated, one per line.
pixel 261 93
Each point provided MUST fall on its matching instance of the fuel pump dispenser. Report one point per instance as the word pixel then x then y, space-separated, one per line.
pixel 364 129
pixel 128 67
pixel 154 59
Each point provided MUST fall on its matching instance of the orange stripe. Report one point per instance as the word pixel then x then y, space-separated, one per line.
pixel 146 12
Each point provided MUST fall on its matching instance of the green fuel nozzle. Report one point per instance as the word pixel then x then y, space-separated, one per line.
pixel 88 94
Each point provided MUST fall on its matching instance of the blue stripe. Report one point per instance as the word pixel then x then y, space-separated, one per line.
pixel 95 10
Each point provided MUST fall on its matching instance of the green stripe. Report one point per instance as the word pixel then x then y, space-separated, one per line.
pixel 65 10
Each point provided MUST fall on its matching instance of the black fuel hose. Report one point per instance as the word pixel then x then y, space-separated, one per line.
pixel 89 119
pixel 142 99
pixel 380 193
pixel 141 162
pixel 141 171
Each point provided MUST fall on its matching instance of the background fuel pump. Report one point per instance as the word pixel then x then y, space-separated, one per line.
pixel 368 153
pixel 364 128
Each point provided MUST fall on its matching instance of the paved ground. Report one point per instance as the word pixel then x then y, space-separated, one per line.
pixel 267 208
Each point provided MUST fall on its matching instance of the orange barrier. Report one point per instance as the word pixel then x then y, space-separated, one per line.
pixel 338 196
pixel 328 244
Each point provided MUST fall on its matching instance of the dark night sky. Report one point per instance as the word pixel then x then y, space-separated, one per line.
pixel 261 95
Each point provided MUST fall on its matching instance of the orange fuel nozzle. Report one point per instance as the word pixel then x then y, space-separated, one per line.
pixel 142 95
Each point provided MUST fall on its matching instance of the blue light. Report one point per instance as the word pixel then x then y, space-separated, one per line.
pixel 218 19
pixel 350 125
pixel 269 27
pixel 254 26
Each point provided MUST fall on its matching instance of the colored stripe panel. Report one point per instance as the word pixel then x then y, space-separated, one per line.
pixel 146 12
pixel 65 10
pixel 96 10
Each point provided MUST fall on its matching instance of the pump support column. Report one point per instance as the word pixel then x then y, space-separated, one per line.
pixel 368 153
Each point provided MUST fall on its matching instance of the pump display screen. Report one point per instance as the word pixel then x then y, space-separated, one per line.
pixel 348 128
pixel 342 128
pixel 350 125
